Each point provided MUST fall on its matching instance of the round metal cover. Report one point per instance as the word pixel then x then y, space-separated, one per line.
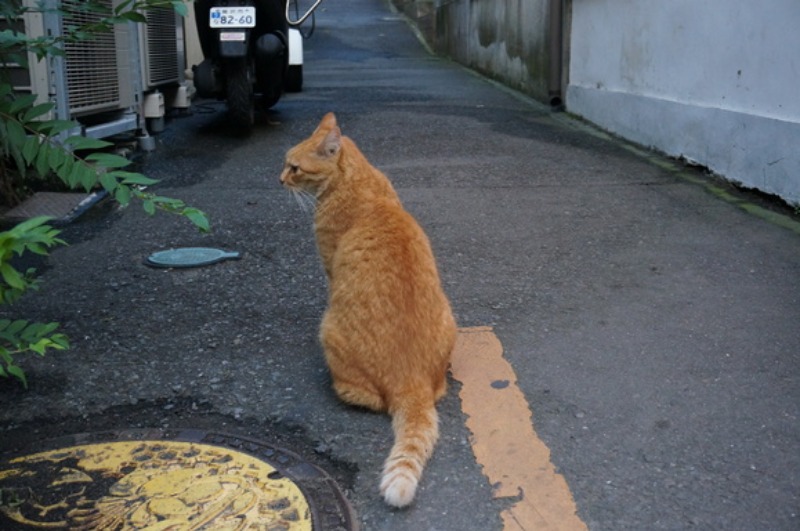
pixel 190 257
pixel 188 480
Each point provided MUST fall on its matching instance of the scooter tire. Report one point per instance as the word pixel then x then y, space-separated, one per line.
pixel 294 78
pixel 240 93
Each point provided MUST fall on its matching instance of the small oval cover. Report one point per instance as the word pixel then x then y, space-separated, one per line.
pixel 190 257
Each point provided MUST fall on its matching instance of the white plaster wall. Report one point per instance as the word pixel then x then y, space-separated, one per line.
pixel 715 81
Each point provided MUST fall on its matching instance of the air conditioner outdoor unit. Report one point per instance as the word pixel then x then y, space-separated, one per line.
pixel 108 84
pixel 98 72
pixel 162 48
pixel 96 81
pixel 163 64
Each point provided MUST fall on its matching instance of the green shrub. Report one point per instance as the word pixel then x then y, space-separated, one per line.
pixel 33 146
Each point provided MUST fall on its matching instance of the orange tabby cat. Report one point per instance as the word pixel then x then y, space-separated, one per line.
pixel 388 331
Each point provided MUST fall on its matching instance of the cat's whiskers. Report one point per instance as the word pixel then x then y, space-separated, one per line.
pixel 305 200
pixel 297 198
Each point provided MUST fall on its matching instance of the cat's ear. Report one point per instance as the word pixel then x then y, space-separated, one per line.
pixel 331 144
pixel 328 122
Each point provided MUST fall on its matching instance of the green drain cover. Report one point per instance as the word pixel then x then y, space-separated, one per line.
pixel 190 257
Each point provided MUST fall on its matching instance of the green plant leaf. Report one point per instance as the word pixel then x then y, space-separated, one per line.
pixel 5 355
pixel 18 373
pixel 197 217
pixel 168 202
pixel 20 59
pixel 55 157
pixel 38 248
pixel 16 133
pixel 61 340
pixel 88 179
pixel 131 178
pixel 21 102
pixel 15 327
pixel 54 127
pixel 123 195
pixel 74 176
pixel 109 182
pixel 67 162
pixel 42 345
pixel 30 149
pixel 3 138
pixel 37 111
pixel 19 160
pixel 29 332
pixel 82 175
pixel 84 142
pixel 11 276
pixel 9 295
pixel 30 224
pixel 108 160
pixel 42 158
pixel 180 8
pixel 131 16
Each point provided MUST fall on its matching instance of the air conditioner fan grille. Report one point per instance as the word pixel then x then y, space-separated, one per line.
pixel 91 65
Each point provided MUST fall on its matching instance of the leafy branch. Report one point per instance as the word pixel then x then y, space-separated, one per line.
pixel 20 336
pixel 33 236
pixel 32 141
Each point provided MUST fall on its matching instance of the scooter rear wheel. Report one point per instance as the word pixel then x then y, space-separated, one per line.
pixel 241 98
pixel 294 78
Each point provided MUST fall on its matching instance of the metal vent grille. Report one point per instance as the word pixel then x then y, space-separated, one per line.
pixel 161 46
pixel 17 73
pixel 91 65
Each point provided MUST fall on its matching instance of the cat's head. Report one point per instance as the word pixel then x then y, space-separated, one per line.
pixel 311 164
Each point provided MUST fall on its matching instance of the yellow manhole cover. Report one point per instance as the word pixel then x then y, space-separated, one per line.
pixel 156 485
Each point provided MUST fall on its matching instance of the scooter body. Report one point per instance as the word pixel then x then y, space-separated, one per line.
pixel 246 49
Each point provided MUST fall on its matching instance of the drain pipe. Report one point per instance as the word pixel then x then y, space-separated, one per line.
pixel 555 50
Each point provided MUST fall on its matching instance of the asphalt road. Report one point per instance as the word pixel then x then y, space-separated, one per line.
pixel 650 318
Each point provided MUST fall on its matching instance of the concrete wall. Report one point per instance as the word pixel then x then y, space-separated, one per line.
pixel 716 82
pixel 503 39
pixel 712 81
pixel 194 54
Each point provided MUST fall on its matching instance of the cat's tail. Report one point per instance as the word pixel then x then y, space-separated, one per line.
pixel 416 429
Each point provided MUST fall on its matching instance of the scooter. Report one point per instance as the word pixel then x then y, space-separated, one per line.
pixel 253 53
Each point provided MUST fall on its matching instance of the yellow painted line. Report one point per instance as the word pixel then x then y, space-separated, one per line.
pixel 514 460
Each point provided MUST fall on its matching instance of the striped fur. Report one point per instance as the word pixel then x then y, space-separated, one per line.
pixel 388 330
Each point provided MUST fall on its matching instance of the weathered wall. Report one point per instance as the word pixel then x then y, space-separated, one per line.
pixel 503 39
pixel 715 82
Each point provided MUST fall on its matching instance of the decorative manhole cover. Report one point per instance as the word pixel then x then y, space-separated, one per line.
pixel 187 480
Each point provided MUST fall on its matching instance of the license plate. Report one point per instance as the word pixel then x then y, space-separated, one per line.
pixel 233 17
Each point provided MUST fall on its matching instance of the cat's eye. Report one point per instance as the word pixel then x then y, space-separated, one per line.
pixel 293 168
